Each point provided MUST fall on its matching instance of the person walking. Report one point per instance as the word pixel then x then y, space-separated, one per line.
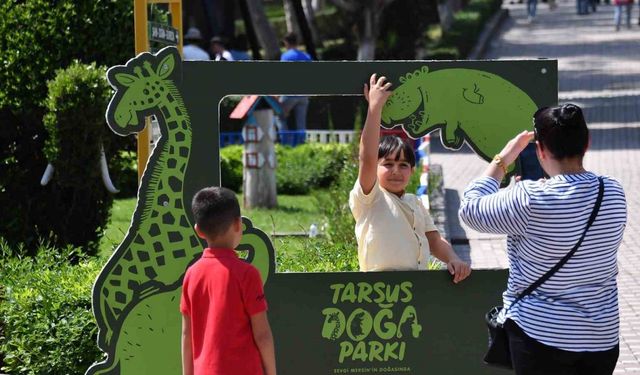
pixel 569 324
pixel 532 6
pixel 617 15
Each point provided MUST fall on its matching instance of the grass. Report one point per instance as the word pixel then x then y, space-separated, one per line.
pixel 295 213
pixel 121 214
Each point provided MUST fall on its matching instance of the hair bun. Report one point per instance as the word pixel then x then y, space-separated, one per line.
pixel 570 115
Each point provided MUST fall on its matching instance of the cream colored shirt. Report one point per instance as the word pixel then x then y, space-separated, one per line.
pixel 390 230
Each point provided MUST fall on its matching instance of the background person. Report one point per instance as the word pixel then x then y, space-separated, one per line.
pixel 569 324
pixel 617 15
pixel 191 49
pixel 296 104
pixel 218 47
pixel 239 48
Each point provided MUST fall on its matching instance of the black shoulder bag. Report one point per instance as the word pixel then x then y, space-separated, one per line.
pixel 499 354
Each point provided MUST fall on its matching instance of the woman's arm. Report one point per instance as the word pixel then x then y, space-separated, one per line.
pixel 485 208
pixel 376 94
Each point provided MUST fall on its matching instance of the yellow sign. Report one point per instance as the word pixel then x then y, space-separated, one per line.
pixel 142 45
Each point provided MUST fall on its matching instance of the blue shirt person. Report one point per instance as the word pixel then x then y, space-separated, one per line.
pixel 297 104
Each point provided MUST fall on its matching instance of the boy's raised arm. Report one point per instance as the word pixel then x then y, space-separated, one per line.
pixel 264 341
pixel 376 93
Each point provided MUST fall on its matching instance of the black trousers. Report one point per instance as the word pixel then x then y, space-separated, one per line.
pixel 531 357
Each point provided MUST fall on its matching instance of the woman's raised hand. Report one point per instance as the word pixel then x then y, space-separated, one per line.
pixel 515 146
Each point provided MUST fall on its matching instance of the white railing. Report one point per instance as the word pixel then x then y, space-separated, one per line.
pixel 330 136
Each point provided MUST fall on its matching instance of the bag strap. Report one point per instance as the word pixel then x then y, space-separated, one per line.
pixel 564 260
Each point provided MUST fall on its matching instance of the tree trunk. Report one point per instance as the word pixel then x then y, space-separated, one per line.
pixel 367 34
pixel 290 17
pixel 259 164
pixel 317 4
pixel 266 34
pixel 304 28
pixel 250 30
pixel 310 15
pixel 367 13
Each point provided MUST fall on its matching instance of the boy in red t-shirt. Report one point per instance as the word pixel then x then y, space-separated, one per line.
pixel 225 330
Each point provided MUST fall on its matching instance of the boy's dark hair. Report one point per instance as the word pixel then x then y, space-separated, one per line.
pixel 215 209
pixel 392 144
pixel 562 130
pixel 291 38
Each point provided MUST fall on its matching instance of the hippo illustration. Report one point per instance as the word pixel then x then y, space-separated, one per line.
pixel 469 105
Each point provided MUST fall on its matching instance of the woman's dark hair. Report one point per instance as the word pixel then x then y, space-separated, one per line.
pixel 561 130
pixel 394 145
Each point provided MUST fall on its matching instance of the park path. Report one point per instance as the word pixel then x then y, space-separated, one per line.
pixel 599 69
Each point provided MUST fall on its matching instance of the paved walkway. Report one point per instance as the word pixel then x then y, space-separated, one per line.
pixel 599 69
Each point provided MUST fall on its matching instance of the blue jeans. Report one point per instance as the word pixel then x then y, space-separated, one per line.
pixel 583 6
pixel 298 105
pixel 617 15
pixel 531 7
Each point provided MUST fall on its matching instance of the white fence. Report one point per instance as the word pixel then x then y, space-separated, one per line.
pixel 330 136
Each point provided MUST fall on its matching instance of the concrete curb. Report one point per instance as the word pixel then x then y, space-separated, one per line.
pixel 487 34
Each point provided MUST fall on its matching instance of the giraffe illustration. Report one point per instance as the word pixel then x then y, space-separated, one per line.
pixel 136 296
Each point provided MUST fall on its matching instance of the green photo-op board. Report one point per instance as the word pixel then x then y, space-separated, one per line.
pixel 323 323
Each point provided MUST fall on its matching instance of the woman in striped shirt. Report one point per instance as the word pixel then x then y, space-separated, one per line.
pixel 569 324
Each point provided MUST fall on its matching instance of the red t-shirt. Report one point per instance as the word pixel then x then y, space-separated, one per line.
pixel 220 293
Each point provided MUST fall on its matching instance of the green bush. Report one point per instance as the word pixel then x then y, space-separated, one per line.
pixel 467 25
pixel 334 202
pixel 38 37
pixel 308 166
pixel 45 305
pixel 231 167
pixel 400 33
pixel 299 170
pixel 76 125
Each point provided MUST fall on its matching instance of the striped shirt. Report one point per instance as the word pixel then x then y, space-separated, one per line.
pixel 577 308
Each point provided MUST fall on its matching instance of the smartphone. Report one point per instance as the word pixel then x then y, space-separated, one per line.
pixel 527 165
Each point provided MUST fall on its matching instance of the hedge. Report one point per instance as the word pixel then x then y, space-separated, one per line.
pixel 37 38
pixel 299 170
pixel 47 326
pixel 467 25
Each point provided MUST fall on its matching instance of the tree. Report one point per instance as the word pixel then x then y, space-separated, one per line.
pixel 300 25
pixel 266 34
pixel 310 13
pixel 367 15
pixel 58 33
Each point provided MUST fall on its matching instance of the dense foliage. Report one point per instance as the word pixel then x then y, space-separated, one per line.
pixel 38 37
pixel 45 305
pixel 299 169
pixel 465 29
pixel 77 130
